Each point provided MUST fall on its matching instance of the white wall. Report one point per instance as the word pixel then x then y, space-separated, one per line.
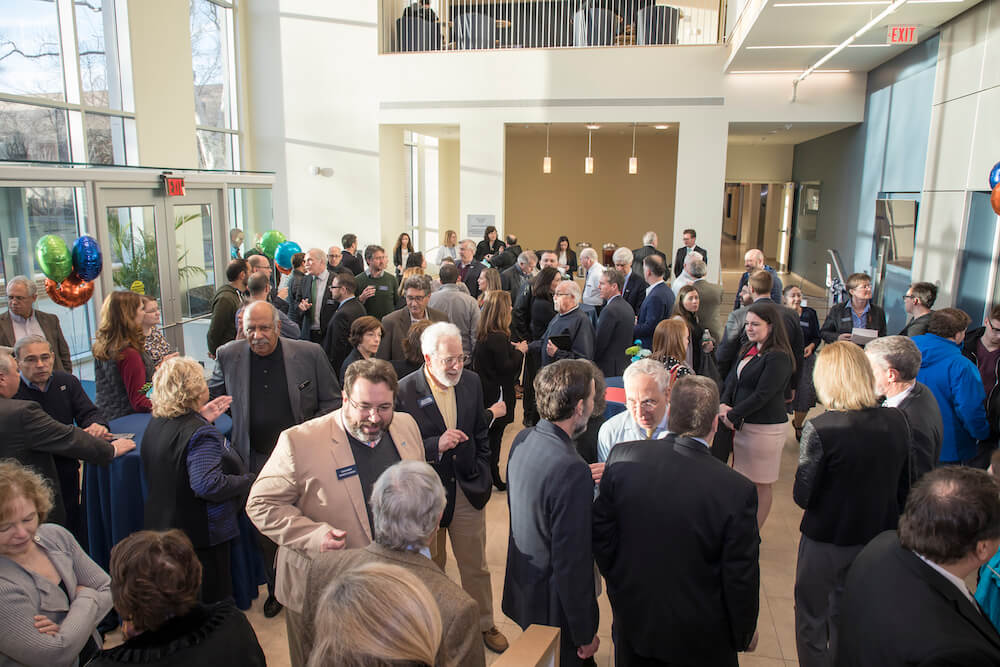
pixel 760 163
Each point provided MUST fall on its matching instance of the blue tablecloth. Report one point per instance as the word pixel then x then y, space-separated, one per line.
pixel 611 407
pixel 114 500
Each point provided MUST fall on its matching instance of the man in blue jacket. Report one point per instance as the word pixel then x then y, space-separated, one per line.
pixel 657 304
pixel 955 383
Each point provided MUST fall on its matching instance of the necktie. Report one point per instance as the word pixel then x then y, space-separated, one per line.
pixel 649 434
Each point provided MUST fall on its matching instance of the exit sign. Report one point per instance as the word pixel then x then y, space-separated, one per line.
pixel 902 34
pixel 174 185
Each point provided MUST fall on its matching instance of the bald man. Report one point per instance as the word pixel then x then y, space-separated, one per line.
pixel 754 260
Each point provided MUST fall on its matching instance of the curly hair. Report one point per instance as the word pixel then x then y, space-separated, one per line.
pixel 17 480
pixel 178 385
pixel 118 328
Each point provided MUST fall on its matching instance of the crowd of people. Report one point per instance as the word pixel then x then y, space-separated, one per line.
pixel 369 405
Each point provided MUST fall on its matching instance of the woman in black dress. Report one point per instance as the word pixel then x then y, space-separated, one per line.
pixel 805 394
pixel 566 257
pixel 498 362
pixel 490 245
pixel 541 310
pixel 401 253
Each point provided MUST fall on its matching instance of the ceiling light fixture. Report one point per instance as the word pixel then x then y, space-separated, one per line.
pixel 788 71
pixel 547 160
pixel 593 126
pixel 588 163
pixel 633 162
pixel 661 127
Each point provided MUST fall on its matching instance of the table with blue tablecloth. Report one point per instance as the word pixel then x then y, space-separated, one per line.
pixel 114 500
pixel 614 396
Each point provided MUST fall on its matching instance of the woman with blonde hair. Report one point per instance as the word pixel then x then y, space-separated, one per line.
pixel 670 343
pixel 195 480
pixel 488 281
pixel 376 615
pixel 852 482
pixel 121 366
pixel 155 345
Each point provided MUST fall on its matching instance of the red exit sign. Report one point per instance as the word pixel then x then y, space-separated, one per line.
pixel 174 185
pixel 902 34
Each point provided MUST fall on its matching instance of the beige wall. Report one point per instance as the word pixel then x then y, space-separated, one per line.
pixel 449 186
pixel 759 163
pixel 607 207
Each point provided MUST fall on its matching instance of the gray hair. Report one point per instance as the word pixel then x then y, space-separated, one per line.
pixel 25 341
pixel 260 304
pixel 23 280
pixel 470 242
pixel 574 289
pixel 697 268
pixel 896 352
pixel 527 258
pixel 622 256
pixel 649 238
pixel 588 252
pixel 406 505
pixel 8 364
pixel 317 254
pixel 419 282
pixel 651 367
pixel 435 333
pixel 256 261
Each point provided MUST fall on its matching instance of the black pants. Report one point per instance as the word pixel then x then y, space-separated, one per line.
pixel 532 363
pixel 69 488
pixel 496 440
pixel 268 549
pixel 722 444
pixel 216 576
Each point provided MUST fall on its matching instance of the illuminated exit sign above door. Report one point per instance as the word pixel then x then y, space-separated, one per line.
pixel 902 34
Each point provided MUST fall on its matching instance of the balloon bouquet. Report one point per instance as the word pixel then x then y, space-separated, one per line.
pixel 276 247
pixel 69 276
pixel 995 187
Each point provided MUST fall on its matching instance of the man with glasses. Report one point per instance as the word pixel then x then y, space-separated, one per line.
pixel 336 342
pixel 335 261
pixel 21 319
pixel 918 301
pixel 417 292
pixel 570 335
pixel 312 494
pixel 447 402
pixel 313 312
pixel 614 326
pixel 635 287
pixel 377 288
pixel 275 384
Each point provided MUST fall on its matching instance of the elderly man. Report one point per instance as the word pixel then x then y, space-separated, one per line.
pixel 396 325
pixel 634 290
pixel 225 303
pixel 753 260
pixel 895 362
pixel 570 335
pixel 22 319
pixel 447 402
pixel 275 384
pixel 549 577
pixel 336 342
pixel 513 278
pixel 614 326
pixel 406 505
pixel 312 494
pixel 917 302
pixel 683 276
pixel 690 241
pixel 259 289
pixel 647 390
pixel 335 261
pixel 468 268
pixel 313 312
pixel 33 438
pixel 648 249
pixel 709 297
pixel 260 264
pixel 62 397
pixel 916 577
pixel 658 302
pixel 591 300
pixel 377 288
pixel 675 536
pixel 462 310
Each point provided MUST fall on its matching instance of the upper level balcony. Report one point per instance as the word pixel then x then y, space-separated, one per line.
pixel 463 25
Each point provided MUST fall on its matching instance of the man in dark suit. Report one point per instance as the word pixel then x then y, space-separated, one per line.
pixel 675 536
pixel 22 319
pixel 916 578
pixel 314 310
pixel 336 341
pixel 509 256
pixel 569 321
pixel 649 241
pixel 895 362
pixel 658 302
pixel 753 260
pixel 614 326
pixel 513 277
pixel 690 239
pixel 31 437
pixel 447 403
pixel 634 290
pixel 396 325
pixel 550 570
pixel 350 258
pixel 468 268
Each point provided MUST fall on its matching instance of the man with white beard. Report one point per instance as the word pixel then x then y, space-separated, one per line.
pixel 447 402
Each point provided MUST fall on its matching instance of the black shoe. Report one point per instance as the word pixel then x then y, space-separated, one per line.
pixel 272 607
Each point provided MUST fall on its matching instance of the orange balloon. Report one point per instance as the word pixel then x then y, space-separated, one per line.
pixel 72 292
pixel 282 271
pixel 995 199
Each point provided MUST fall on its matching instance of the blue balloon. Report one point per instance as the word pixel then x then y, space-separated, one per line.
pixel 87 259
pixel 995 176
pixel 283 255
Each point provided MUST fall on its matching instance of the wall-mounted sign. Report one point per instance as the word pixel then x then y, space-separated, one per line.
pixel 902 34
pixel 477 224
pixel 174 185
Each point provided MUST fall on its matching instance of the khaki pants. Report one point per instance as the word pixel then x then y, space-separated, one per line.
pixel 468 540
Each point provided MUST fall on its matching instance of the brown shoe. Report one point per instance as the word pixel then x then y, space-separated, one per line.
pixel 495 641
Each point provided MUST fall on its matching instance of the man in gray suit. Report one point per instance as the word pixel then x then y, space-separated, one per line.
pixel 23 319
pixel 709 297
pixel 462 310
pixel 275 384
pixel 396 325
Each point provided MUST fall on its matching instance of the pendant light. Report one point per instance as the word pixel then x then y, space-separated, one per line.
pixel 633 162
pixel 588 163
pixel 547 160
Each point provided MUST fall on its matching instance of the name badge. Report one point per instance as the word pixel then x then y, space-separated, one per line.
pixel 330 302
pixel 425 401
pixel 383 288
pixel 349 471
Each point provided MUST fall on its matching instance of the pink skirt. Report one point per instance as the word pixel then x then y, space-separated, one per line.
pixel 757 451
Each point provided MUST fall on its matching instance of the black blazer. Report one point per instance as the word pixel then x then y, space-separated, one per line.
pixel 327 309
pixel 932 622
pixel 675 536
pixel 336 341
pixel 542 312
pixel 635 291
pixel 642 253
pixel 853 475
pixel 468 464
pixel 549 577
pixel 613 336
pixel 472 278
pixel 840 321
pixel 570 259
pixel 926 431
pixel 757 395
pixel 352 262
pixel 682 254
pixel 498 364
pixel 486 248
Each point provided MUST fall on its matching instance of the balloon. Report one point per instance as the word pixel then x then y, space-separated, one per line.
pixel 87 260
pixel 72 292
pixel 137 287
pixel 995 176
pixel 283 255
pixel 995 199
pixel 270 241
pixel 282 271
pixel 54 258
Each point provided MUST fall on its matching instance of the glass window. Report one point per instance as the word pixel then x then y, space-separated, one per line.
pixel 133 249
pixel 212 58
pixel 104 83
pixel 110 139
pixel 217 150
pixel 28 132
pixel 30 57
pixel 250 212
pixel 196 268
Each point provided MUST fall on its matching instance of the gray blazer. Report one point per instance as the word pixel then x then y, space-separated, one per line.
pixel 462 311
pixel 312 385
pixel 24 594
pixel 710 296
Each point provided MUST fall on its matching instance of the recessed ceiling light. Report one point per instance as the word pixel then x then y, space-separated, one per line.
pixel 592 126
pixel 661 127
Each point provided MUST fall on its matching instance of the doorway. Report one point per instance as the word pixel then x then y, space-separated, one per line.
pixel 754 215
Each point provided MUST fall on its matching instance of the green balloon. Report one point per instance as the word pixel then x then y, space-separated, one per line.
pixel 270 241
pixel 54 258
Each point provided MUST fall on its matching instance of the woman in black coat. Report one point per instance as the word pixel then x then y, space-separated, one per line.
pixel 566 257
pixel 840 320
pixel 753 401
pixel 541 310
pixel 498 362
pixel 852 482
pixel 490 245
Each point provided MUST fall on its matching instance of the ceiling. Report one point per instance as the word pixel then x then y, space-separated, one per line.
pixel 753 134
pixel 580 129
pixel 806 30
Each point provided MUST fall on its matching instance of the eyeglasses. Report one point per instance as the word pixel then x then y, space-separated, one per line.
pixel 383 410
pixel 563 294
pixel 19 298
pixel 419 297
pixel 45 358
pixel 647 406
pixel 450 361
pixel 908 296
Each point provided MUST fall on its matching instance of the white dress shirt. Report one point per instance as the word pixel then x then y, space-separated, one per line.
pixel 959 584
pixel 25 327
pixel 591 287
pixel 622 428
pixel 894 401
pixel 318 295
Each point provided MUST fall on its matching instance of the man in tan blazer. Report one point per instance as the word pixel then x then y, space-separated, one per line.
pixel 417 291
pixel 406 506
pixel 21 319
pixel 311 495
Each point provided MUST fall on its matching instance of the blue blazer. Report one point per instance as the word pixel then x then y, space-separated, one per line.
pixel 657 305
pixel 634 291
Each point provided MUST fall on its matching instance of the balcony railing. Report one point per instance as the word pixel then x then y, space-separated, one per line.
pixel 463 25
